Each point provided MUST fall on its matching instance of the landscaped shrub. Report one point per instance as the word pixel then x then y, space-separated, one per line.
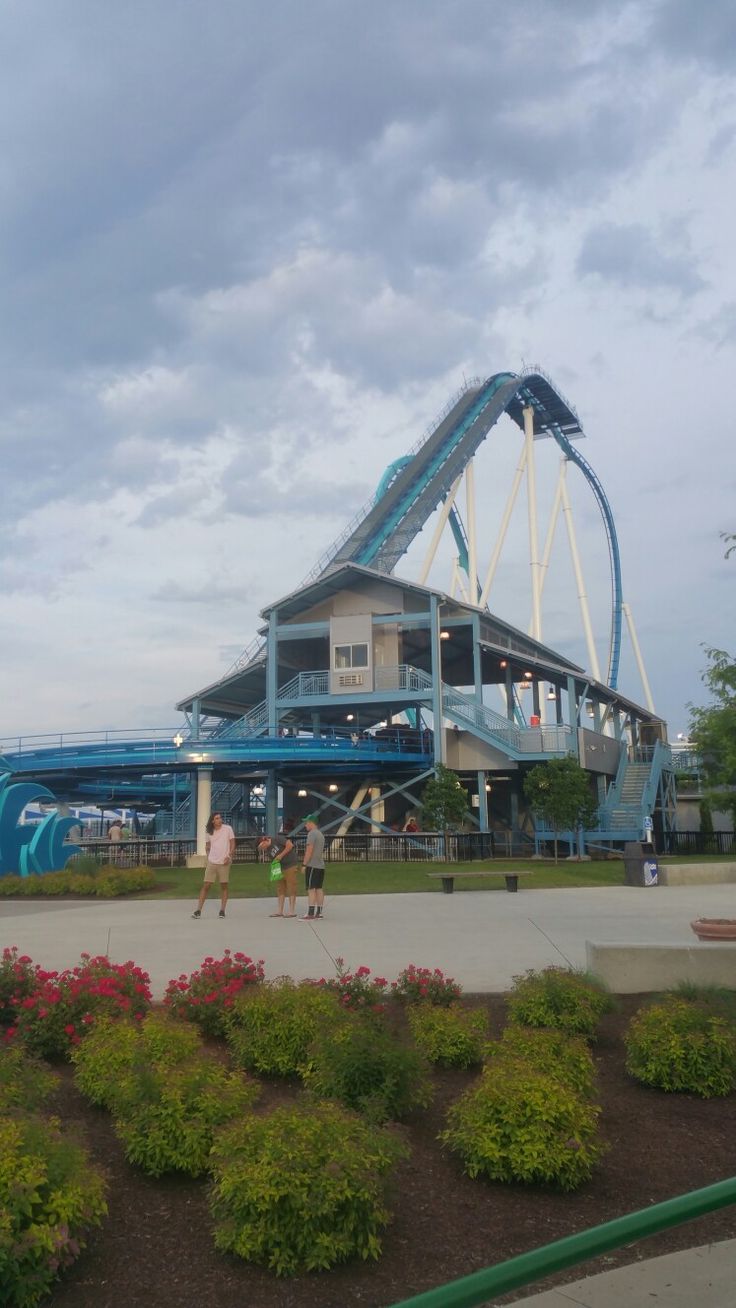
pixel 452 1037
pixel 64 1005
pixel 270 1029
pixel 300 1191
pixel 420 985
pixel 50 1196
pixel 367 1068
pixel 554 997
pixel 114 1048
pixel 167 1117
pixel 553 1052
pixel 357 991
pixel 207 995
pixel 675 1045
pixel 18 980
pixel 105 882
pixel 24 1082
pixel 519 1124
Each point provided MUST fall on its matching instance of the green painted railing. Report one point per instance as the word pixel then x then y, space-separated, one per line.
pixel 471 1291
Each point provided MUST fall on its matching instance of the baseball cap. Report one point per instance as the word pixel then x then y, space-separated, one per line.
pixel 311 817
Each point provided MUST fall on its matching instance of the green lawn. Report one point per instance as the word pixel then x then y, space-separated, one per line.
pixel 250 880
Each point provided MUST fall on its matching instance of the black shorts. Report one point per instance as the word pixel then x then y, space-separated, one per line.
pixel 314 877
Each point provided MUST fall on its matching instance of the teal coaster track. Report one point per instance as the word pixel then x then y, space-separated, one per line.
pixel 412 487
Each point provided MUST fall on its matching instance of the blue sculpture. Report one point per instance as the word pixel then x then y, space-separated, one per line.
pixel 25 850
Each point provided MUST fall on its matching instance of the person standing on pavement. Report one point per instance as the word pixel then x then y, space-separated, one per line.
pixel 314 869
pixel 220 847
pixel 281 850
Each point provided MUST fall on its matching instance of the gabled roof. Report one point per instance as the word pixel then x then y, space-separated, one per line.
pixel 331 583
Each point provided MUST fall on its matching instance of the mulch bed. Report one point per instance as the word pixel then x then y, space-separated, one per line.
pixel 155 1249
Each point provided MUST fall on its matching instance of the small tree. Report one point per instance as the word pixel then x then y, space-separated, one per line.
pixel 444 802
pixel 713 729
pixel 559 792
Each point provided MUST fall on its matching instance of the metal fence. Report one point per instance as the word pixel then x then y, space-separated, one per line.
pixel 697 842
pixel 401 847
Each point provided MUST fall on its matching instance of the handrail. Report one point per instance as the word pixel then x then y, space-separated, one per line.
pixel 474 1290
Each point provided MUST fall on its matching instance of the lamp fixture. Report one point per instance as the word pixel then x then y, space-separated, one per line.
pixel 525 685
pixel 332 788
pixel 178 740
pixel 302 794
pixel 528 676
pixel 444 635
pixel 488 785
pixel 503 663
pixel 350 717
pixel 551 693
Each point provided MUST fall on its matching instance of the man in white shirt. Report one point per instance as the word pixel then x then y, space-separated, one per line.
pixel 220 847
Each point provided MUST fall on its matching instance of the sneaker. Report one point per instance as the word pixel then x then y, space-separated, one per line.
pixel 307 917
pixel 221 913
pixel 197 912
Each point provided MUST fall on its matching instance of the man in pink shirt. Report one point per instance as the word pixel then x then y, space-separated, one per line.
pixel 220 847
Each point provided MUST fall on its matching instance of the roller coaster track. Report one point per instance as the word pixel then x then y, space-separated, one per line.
pixel 412 487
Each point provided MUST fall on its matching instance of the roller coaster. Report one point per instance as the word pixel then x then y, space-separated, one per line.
pixel 280 719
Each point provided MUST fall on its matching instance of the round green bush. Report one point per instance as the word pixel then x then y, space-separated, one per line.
pixel 368 1068
pixel 676 1045
pixel 270 1028
pixel 167 1116
pixel 520 1124
pixel 113 1049
pixel 565 1057
pixel 50 1197
pixel 300 1191
pixel 555 997
pixel 451 1037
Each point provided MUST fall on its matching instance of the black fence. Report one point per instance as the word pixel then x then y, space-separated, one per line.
pixel 697 842
pixel 401 847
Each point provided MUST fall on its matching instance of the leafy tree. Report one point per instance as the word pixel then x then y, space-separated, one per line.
pixel 444 802
pixel 559 791
pixel 713 728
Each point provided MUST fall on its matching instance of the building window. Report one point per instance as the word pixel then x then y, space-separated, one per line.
pixel 351 656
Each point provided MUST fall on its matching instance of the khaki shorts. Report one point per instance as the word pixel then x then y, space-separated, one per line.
pixel 288 880
pixel 217 872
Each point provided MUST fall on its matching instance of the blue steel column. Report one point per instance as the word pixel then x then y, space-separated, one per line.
pixel 195 718
pixel 272 670
pixel 436 649
pixel 477 659
pixel 272 802
pixel 482 802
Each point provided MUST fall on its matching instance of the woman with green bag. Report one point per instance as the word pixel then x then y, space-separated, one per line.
pixel 282 872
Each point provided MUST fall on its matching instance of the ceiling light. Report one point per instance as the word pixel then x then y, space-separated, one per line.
pixel 332 788
pixel 302 794
pixel 525 685
pixel 527 675
pixel 551 694
pixel 444 635
pixel 488 785
pixel 503 663
pixel 350 717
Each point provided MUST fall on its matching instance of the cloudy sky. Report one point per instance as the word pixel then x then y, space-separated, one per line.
pixel 249 251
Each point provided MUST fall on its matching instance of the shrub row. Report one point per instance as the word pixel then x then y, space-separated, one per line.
pixel 107 883
pixel 50 1195
pixel 531 1117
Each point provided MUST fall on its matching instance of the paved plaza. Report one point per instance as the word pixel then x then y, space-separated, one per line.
pixel 482 938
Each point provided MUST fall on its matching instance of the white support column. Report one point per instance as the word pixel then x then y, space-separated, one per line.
pixel 551 529
pixel 472 537
pixel 377 810
pixel 639 659
pixel 582 596
pixel 503 529
pixel 437 533
pixel 531 488
pixel 204 806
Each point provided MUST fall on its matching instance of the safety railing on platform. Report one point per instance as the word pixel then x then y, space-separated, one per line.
pixel 478 715
pixel 475 1290
pixel 402 677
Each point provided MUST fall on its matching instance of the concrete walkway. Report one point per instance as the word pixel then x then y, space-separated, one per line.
pixel 481 938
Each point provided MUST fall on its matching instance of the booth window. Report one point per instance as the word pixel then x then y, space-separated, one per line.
pixel 351 656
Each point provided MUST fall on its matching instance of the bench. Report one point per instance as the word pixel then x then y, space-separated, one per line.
pixel 448 878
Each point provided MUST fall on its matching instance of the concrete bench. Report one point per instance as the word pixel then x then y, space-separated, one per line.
pixel 448 878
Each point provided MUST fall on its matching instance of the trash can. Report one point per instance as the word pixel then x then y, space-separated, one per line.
pixel 640 864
